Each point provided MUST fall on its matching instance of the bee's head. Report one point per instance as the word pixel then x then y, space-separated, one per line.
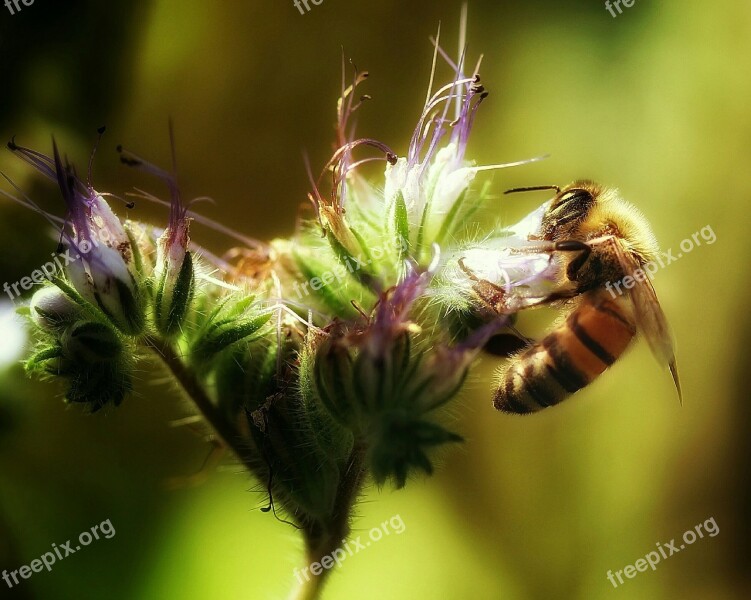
pixel 585 210
pixel 568 209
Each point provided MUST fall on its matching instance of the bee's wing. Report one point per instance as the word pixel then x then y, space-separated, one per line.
pixel 650 319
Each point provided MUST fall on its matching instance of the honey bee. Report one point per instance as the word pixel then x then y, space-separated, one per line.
pixel 599 239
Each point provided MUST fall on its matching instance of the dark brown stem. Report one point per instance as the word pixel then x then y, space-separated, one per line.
pixel 228 434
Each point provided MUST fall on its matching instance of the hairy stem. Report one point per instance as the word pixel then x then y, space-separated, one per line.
pixel 228 434
pixel 321 539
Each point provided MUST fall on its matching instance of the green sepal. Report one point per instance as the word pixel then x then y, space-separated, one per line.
pixel 138 265
pixel 401 227
pixel 171 308
pixel 358 269
pixel 333 302
pixel 48 361
pixel 399 443
pixel 222 334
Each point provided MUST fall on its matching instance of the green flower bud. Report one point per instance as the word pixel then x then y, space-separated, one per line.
pixel 353 384
pixel 175 286
pixel 245 376
pixel 331 427
pixel 301 448
pixel 100 384
pixel 91 342
pixel 330 367
pixel 303 475
pixel 94 360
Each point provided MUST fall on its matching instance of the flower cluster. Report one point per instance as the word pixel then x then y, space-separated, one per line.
pixel 311 393
pixel 125 286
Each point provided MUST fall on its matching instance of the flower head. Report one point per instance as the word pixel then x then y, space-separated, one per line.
pixel 102 271
pixel 174 272
pixel 430 185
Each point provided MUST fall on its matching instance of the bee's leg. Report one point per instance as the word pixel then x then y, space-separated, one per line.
pixel 562 294
pixel 505 345
pixel 468 272
pixel 493 295
pixel 527 340
pixel 583 248
pixel 574 246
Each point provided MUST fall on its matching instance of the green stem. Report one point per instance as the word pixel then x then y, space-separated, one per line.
pixel 321 539
pixel 228 434
pixel 309 589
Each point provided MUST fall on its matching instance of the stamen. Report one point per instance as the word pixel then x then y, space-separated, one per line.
pixel 462 46
pixel 507 165
pixel 100 133
pixel 128 203
pixel 316 200
pixel 39 161
pixel 57 223
pixel 433 66
pixel 215 225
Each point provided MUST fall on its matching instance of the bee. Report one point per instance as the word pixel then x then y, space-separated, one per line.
pixel 599 240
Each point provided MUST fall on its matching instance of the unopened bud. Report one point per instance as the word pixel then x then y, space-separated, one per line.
pixel 52 310
pixel 91 342
pixel 175 286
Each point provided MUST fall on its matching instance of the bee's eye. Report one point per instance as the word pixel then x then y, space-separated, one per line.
pixel 575 197
pixel 571 205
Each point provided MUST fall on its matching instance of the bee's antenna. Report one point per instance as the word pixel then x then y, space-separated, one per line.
pixel 674 372
pixel 534 188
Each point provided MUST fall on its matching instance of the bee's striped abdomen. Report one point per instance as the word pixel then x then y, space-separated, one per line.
pixel 593 336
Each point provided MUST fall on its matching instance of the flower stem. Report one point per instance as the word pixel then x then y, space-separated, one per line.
pixel 308 589
pixel 321 539
pixel 228 434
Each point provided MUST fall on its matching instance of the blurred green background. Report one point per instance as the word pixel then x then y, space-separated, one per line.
pixel 655 101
